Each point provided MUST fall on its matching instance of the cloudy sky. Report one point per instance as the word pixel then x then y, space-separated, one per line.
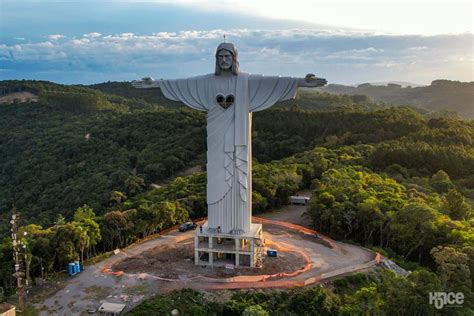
pixel 346 42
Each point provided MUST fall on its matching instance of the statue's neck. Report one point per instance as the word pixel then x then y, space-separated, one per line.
pixel 226 73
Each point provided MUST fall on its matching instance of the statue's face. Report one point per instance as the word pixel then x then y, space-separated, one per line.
pixel 225 59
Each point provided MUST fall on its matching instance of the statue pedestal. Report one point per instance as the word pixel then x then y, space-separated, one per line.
pixel 217 249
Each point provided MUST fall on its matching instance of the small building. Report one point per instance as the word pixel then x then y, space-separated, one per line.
pixel 300 200
pixel 7 310
pixel 111 309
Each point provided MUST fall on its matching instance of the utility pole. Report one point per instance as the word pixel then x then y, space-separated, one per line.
pixel 19 257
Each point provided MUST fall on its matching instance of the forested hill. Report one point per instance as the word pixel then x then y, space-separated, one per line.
pixel 81 146
pixel 84 166
pixel 305 98
pixel 441 95
pixel 125 89
pixel 441 98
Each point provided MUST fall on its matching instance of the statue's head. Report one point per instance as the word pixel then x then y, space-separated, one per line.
pixel 227 59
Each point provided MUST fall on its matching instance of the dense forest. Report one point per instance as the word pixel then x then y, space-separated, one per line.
pixel 361 294
pixel 84 167
pixel 440 96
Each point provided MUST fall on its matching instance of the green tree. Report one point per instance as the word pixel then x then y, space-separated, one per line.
pixel 116 227
pixel 415 219
pixel 456 206
pixel 82 239
pixel 407 296
pixel 314 301
pixel 441 182
pixel 371 217
pixel 368 301
pixel 134 185
pixel 65 245
pixel 60 220
pixel 453 267
pixel 84 213
pixel 88 229
pixel 255 310
pixel 117 197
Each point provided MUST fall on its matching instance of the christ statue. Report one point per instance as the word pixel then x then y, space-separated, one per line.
pixel 229 97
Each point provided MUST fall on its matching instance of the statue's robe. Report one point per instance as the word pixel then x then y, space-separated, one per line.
pixel 229 146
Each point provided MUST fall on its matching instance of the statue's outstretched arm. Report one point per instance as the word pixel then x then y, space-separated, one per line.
pixel 310 81
pixel 146 83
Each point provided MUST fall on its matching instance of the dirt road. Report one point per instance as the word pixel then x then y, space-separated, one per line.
pixel 91 287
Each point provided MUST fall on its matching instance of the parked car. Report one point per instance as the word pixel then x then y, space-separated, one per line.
pixel 187 226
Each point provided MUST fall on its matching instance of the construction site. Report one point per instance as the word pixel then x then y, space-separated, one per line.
pixel 299 250
pixel 177 261
pixel 167 262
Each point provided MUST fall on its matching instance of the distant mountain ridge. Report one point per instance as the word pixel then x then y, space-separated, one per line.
pixel 404 84
pixel 441 95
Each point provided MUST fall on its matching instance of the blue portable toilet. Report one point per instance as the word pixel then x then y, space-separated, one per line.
pixel 77 267
pixel 272 252
pixel 71 269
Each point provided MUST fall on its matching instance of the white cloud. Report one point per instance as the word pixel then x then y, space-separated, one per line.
pixel 418 48
pixel 340 55
pixel 55 37
pixel 387 64
pixel 92 35
pixel 81 41
pixel 127 35
pixel 369 53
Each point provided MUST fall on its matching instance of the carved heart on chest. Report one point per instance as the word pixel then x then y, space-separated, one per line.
pixel 225 101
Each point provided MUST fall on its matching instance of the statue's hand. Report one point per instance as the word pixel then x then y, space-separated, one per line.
pixel 145 83
pixel 315 82
pixel 310 77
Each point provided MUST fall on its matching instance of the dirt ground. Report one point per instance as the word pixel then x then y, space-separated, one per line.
pixel 165 263
pixel 177 262
pixel 290 213
pixel 20 96
pixel 276 231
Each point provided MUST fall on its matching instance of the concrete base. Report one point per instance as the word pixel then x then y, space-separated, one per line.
pixel 216 249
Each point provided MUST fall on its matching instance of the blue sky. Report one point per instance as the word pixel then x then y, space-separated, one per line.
pixel 345 42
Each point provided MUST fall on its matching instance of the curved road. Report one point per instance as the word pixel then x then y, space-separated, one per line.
pixel 91 287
